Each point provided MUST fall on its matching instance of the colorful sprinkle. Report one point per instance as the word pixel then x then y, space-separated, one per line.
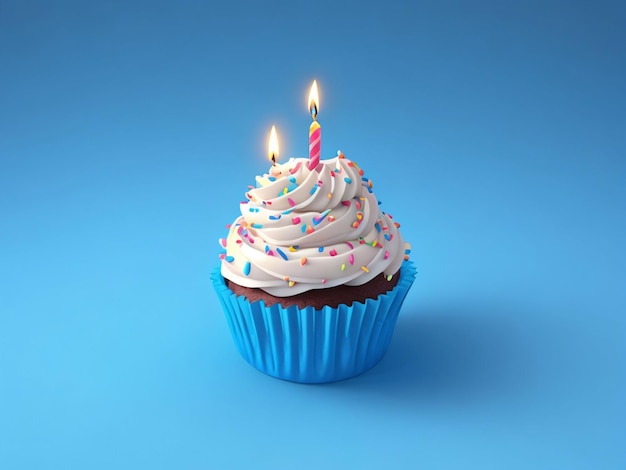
pixel 256 225
pixel 320 249
pixel 350 245
pixel 351 259
pixel 303 261
pixel 347 180
pixel 291 283
pixel 318 220
pixel 281 253
pixel 345 203
pixel 377 225
pixel 293 248
pixel 229 259
pixel 295 220
pixel 313 189
pixel 332 252
pixel 330 195
pixel 295 168
pixel 222 242
pixel 388 237
pixel 275 217
pixel 309 229
pixel 331 218
pixel 343 267
pixel 364 268
pixel 324 281
pixel 386 255
pixel 389 277
pixel 246 268
pixel 397 224
pixel 291 202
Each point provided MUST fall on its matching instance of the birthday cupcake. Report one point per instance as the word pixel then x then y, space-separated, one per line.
pixel 313 274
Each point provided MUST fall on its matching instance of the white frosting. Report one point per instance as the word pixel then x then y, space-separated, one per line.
pixel 307 229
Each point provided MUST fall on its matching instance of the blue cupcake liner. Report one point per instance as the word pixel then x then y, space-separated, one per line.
pixel 314 346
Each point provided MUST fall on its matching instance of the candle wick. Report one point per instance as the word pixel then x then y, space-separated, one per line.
pixel 313 110
pixel 273 160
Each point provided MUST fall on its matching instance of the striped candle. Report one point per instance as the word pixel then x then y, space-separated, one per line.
pixel 315 144
pixel 315 131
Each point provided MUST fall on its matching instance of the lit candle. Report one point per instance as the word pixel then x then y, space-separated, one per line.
pixel 272 148
pixel 315 131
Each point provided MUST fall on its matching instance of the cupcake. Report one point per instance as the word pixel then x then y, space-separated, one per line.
pixel 312 273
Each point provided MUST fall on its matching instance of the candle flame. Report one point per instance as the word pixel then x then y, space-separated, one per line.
pixel 272 148
pixel 314 101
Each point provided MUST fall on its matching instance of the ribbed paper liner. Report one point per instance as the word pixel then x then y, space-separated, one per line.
pixel 314 346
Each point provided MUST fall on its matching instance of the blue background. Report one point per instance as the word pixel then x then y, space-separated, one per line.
pixel 495 132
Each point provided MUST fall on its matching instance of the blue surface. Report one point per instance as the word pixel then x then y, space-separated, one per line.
pixel 494 133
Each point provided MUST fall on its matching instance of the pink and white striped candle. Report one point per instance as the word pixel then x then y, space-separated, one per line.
pixel 315 131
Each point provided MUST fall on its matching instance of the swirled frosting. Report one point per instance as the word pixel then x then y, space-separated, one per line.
pixel 304 229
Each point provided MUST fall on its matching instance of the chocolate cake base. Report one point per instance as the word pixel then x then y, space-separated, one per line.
pixel 319 298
